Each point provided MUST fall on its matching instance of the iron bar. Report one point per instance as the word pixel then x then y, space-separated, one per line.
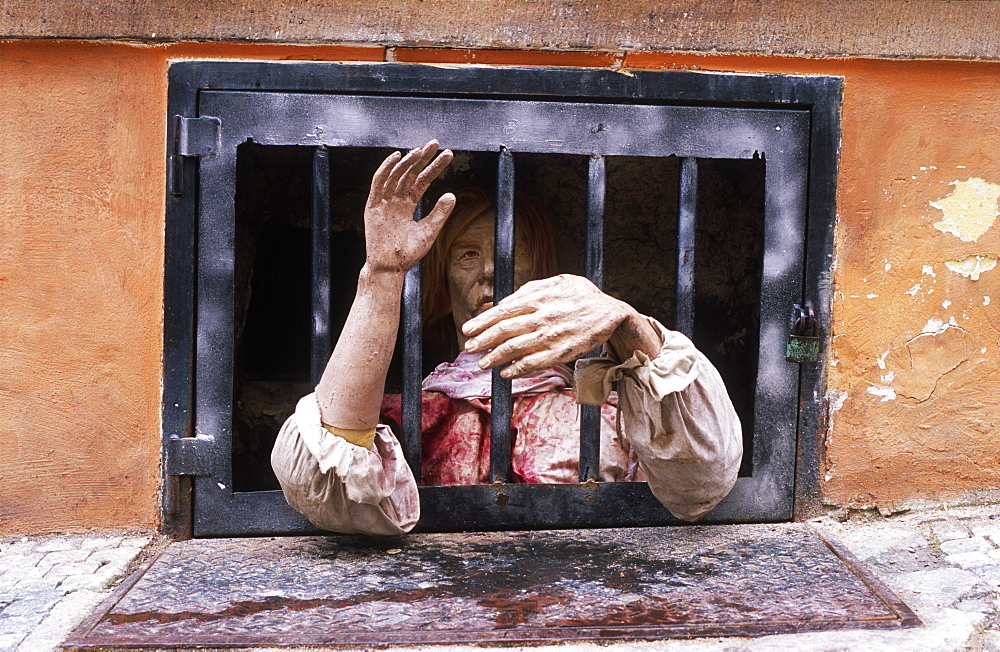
pixel 503 285
pixel 321 344
pixel 590 415
pixel 412 324
pixel 687 204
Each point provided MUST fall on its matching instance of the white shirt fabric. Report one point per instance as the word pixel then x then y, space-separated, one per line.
pixel 674 413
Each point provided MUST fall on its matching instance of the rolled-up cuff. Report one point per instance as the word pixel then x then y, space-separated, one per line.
pixel 672 370
pixel 340 486
pixel 360 468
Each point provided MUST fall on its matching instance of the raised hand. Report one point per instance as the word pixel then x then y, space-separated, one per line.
pixel 393 241
pixel 350 392
pixel 553 321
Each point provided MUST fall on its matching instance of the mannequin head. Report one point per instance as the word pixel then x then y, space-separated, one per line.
pixel 458 270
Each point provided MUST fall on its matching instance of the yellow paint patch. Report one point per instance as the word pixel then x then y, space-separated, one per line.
pixel 970 210
pixel 972 266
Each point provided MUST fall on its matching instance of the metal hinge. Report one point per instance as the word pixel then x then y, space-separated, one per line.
pixel 193 138
pixel 200 137
pixel 189 455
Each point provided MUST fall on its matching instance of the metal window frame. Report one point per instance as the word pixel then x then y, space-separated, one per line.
pixel 195 141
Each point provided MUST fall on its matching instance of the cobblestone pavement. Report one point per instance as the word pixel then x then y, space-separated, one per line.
pixel 48 585
pixel 945 564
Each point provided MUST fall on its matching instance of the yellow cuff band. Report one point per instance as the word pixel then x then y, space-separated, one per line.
pixel 362 438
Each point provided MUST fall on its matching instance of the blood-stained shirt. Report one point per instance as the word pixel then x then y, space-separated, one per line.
pixel 671 423
pixel 545 439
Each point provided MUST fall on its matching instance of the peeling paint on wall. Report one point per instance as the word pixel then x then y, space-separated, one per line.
pixel 886 393
pixel 881 359
pixel 933 327
pixel 835 400
pixel 922 418
pixel 970 210
pixel 972 266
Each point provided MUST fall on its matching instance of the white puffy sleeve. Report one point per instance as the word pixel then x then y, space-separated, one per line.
pixel 340 486
pixel 675 413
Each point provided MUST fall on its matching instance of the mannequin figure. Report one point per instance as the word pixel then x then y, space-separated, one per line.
pixel 340 464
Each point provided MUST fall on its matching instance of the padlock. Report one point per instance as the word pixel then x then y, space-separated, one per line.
pixel 803 336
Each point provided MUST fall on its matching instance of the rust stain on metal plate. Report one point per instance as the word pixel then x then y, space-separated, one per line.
pixel 513 586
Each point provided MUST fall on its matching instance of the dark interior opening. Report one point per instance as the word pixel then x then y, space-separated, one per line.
pixel 273 304
pixel 273 265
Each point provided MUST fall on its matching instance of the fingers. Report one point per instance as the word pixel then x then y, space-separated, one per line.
pixel 434 221
pixel 441 211
pixel 405 184
pixel 499 333
pixel 562 297
pixel 405 165
pixel 538 347
pixel 506 309
pixel 378 181
pixel 528 345
pixel 515 348
pixel 520 302
pixel 431 172
pixel 408 176
pixel 545 359
pixel 530 291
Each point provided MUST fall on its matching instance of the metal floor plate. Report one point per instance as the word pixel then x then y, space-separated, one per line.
pixel 643 583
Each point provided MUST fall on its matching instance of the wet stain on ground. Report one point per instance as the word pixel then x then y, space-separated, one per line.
pixel 492 586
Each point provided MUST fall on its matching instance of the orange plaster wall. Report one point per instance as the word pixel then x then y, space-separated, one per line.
pixel 81 259
pixel 918 415
pixel 81 274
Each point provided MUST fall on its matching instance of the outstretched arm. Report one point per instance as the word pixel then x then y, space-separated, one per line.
pixel 676 414
pixel 350 391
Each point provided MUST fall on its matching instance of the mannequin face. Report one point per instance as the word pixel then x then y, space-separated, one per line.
pixel 470 271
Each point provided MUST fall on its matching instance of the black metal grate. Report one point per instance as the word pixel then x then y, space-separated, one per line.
pixel 500 437
pixel 595 114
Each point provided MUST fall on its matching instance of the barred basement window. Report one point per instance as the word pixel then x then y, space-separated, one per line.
pixel 705 200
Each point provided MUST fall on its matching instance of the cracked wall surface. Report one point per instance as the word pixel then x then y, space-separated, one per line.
pixel 914 362
pixel 916 368
pixel 914 356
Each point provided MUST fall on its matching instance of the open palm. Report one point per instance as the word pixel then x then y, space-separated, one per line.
pixel 394 241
